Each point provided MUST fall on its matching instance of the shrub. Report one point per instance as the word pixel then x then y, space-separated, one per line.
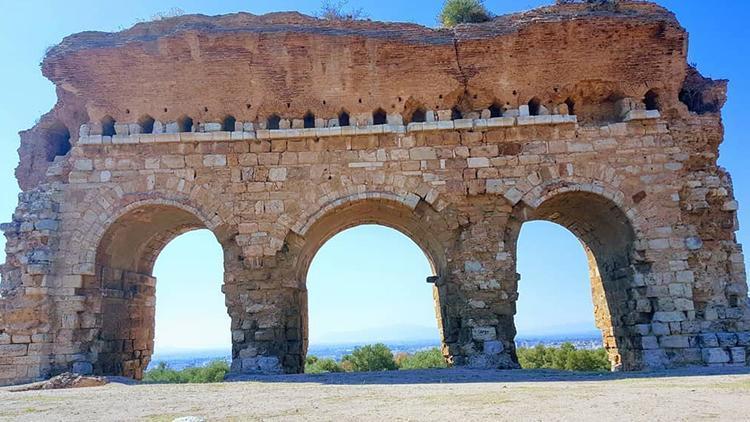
pixel 463 11
pixel 424 359
pixel 335 11
pixel 313 365
pixel 213 372
pixel 374 357
pixel 566 358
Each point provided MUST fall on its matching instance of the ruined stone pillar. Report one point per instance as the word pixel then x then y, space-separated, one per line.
pixel 479 294
pixel 26 306
pixel 267 307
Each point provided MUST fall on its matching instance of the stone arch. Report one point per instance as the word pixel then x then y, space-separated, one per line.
pixel 121 293
pixel 419 221
pixel 609 239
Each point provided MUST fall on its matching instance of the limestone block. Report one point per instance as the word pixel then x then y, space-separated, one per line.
pixel 122 129
pixel 483 333
pixel 430 116
pixel 727 339
pixel 298 123
pixel 9 350
pixel 46 224
pixel 463 124
pixel 739 355
pixel 478 162
pixel 172 127
pixel 444 115
pixel 83 164
pixel 158 127
pixel 84 130
pixel 715 355
pixel 641 115
pixel 215 160
pixel 625 105
pixel 333 123
pixel 394 119
pixel 523 111
pixel 212 127
pixel 493 347
pixel 422 153
pixel 285 124
pixel 4 338
pixel 248 127
pixel 669 316
pixel 674 342
pixel 95 128
pixel 473 267
pixel 124 139
pixel 277 174
pixel 505 121
pixel 134 128
pixel 83 368
pixel 743 339
pixel 693 243
pixel 319 122
pixel 649 342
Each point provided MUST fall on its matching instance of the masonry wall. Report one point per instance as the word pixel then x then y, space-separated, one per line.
pixel 631 170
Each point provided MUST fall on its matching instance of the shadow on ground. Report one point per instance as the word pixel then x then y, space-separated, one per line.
pixel 459 376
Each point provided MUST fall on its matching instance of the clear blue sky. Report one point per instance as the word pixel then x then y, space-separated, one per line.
pixel 551 261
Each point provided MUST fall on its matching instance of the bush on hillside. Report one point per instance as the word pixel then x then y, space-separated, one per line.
pixel 163 374
pixel 373 357
pixel 313 365
pixel 425 359
pixel 566 358
pixel 463 11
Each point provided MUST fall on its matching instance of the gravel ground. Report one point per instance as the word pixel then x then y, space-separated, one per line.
pixel 449 394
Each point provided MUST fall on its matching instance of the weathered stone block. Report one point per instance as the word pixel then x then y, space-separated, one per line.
pixel 493 347
pixel 727 339
pixel 483 333
pixel 715 355
pixel 739 355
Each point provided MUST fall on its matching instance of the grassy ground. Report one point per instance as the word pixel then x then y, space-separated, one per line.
pixel 405 395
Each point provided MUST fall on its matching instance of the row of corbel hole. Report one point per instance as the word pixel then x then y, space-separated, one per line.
pixel 379 117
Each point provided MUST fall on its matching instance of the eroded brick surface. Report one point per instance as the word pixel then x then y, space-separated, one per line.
pixel 276 132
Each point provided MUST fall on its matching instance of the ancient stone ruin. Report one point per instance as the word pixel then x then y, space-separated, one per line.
pixel 276 132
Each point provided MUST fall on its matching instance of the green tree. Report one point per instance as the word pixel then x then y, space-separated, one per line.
pixel 425 359
pixel 373 357
pixel 313 365
pixel 463 11
pixel 566 358
pixel 213 372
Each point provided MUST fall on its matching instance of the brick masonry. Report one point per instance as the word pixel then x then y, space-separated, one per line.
pixel 276 132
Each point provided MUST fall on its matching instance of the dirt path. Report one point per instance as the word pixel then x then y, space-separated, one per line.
pixel 405 395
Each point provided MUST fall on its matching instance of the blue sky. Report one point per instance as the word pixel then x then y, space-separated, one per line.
pixel 350 290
